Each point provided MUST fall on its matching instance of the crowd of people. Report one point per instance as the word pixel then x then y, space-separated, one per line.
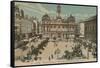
pixel 82 49
pixel 35 45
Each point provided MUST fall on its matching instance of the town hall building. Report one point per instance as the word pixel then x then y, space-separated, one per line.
pixel 59 27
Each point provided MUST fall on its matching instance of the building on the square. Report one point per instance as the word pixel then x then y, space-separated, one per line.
pixel 24 25
pixel 91 28
pixel 59 27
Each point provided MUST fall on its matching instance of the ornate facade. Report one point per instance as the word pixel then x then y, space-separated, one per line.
pixel 59 27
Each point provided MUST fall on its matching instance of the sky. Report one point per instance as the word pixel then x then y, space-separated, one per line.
pixel 81 13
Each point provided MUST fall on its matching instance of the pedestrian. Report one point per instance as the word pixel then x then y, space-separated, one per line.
pixel 51 56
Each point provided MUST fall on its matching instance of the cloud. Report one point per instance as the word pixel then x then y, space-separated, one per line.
pixel 28 7
pixel 36 9
pixel 42 9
